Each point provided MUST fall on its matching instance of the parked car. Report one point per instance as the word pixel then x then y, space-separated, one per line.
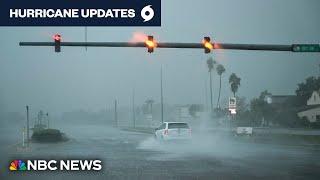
pixel 173 131
pixel 240 131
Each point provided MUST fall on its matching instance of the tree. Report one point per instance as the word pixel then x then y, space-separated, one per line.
pixel 264 94
pixel 260 108
pixel 220 70
pixel 234 82
pixel 306 88
pixel 242 105
pixel 211 63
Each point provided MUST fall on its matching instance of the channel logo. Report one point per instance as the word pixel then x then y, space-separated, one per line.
pixel 17 165
pixel 147 13
pixel 53 165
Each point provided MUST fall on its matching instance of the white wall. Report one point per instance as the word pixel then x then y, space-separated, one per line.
pixel 311 114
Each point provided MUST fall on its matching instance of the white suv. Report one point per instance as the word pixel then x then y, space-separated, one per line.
pixel 173 131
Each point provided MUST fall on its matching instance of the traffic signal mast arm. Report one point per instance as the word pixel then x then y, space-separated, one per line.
pixel 261 47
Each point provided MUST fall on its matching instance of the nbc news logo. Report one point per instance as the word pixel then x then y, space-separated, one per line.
pixel 53 165
pixel 17 165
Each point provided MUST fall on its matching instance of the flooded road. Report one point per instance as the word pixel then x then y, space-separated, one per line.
pixel 133 155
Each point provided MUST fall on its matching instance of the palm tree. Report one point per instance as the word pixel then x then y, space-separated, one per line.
pixel 211 63
pixel 220 70
pixel 234 82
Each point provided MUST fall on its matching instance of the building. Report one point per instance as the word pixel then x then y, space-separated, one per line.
pixel 312 111
pixel 280 100
pixel 312 114
pixel 314 99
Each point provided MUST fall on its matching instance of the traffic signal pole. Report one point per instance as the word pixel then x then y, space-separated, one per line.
pixel 161 94
pixel 229 46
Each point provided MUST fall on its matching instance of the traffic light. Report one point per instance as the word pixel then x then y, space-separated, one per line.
pixel 207 45
pixel 150 44
pixel 57 42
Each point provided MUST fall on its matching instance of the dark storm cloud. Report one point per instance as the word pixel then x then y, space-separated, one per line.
pixel 91 79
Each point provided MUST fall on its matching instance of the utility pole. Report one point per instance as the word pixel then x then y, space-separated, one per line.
pixel 48 120
pixel 107 113
pixel 161 95
pixel 27 107
pixel 23 136
pixel 133 110
pixel 115 113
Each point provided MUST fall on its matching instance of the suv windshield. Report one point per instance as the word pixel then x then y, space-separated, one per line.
pixel 178 125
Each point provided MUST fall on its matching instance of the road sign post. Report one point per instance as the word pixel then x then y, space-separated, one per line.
pixel 233 105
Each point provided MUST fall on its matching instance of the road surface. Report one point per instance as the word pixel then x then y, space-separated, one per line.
pixel 134 155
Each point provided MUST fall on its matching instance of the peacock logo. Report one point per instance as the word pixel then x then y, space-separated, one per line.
pixel 17 165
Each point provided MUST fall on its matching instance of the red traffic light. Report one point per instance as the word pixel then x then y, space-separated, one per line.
pixel 57 42
pixel 57 37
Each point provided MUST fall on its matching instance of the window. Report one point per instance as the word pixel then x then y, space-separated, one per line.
pixel 163 126
pixel 178 125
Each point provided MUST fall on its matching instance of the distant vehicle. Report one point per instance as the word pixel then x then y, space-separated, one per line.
pixel 244 131
pixel 173 131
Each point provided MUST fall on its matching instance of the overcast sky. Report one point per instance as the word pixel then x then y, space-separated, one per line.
pixel 91 80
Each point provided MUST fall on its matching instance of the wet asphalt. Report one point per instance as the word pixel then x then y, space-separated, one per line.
pixel 134 155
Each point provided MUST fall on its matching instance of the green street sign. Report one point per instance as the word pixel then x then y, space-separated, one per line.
pixel 306 48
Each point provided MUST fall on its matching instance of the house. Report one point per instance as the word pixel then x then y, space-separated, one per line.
pixel 312 111
pixel 312 114
pixel 314 99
